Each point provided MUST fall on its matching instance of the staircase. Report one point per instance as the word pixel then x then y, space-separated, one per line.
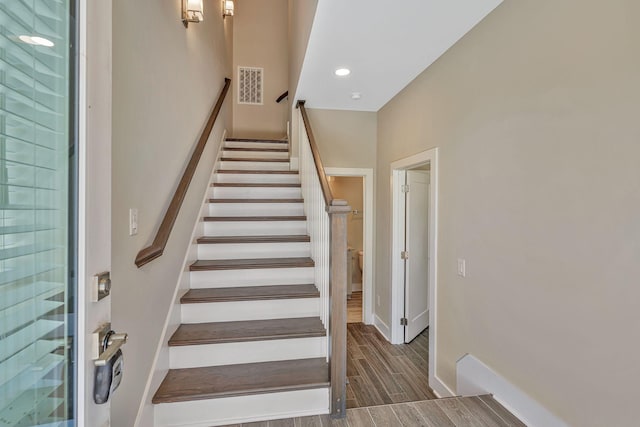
pixel 251 345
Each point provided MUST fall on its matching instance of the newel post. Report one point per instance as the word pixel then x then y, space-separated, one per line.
pixel 338 211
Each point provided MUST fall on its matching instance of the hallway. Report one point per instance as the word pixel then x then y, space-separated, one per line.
pixel 380 373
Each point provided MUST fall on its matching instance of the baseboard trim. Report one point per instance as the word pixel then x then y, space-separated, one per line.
pixel 474 377
pixel 382 327
pixel 440 389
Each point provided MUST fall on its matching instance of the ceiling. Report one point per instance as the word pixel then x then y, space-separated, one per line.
pixel 384 43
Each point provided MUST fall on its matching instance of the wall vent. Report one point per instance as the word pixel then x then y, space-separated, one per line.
pixel 250 85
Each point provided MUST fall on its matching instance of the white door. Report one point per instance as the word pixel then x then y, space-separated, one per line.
pixel 417 248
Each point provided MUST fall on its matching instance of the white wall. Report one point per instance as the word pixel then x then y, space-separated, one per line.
pixel 301 14
pixel 165 81
pixel 535 113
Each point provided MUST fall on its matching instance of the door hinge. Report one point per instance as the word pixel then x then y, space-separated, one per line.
pixel 404 321
pixel 404 255
pixel 405 188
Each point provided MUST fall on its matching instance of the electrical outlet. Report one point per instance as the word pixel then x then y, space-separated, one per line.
pixel 462 267
pixel 133 221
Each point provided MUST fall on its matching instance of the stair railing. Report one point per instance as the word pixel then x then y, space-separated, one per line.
pixel 156 248
pixel 327 226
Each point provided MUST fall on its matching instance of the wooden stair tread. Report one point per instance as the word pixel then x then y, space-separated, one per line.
pixel 244 331
pixel 256 200
pixel 269 150
pixel 249 293
pixel 250 171
pixel 254 239
pixel 271 141
pixel 211 382
pixel 254 184
pixel 255 218
pixel 254 263
pixel 241 159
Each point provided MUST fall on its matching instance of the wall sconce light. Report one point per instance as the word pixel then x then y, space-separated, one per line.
pixel 227 8
pixel 192 11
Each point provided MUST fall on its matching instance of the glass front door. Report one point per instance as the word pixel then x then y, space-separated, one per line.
pixel 37 208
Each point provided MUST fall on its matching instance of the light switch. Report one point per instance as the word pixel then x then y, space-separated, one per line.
pixel 462 267
pixel 133 221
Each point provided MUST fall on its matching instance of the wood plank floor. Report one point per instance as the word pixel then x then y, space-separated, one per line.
pixel 380 373
pixel 354 308
pixel 481 411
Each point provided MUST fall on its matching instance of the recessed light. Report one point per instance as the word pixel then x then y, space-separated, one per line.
pixel 356 96
pixel 342 72
pixel 37 41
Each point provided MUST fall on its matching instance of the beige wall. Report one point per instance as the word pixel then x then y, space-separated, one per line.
pixel 165 81
pixel 260 39
pixel 345 138
pixel 536 116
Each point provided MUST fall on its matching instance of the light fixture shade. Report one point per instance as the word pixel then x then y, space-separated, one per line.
pixel 192 11
pixel 227 7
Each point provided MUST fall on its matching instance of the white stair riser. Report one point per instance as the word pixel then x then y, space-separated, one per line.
pixel 253 277
pixel 256 154
pixel 255 166
pixel 255 193
pixel 254 228
pixel 245 144
pixel 242 409
pixel 253 250
pixel 263 178
pixel 230 311
pixel 194 356
pixel 256 209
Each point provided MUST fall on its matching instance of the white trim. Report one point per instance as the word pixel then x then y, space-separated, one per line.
pixel 94 191
pixel 82 297
pixel 474 377
pixel 368 279
pixel 397 280
pixel 382 327
pixel 294 163
pixel 173 312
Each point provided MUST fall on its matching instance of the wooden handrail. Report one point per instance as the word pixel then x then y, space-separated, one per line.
pixel 324 183
pixel 337 210
pixel 283 96
pixel 156 248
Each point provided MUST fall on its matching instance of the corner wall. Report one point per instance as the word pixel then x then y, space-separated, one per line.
pixel 535 113
pixel 301 15
pixel 165 81
pixel 260 40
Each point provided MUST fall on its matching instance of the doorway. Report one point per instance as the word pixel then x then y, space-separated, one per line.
pixel 417 302
pixel 347 181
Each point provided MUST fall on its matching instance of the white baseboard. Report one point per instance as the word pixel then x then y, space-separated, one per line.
pixel 294 164
pixel 382 327
pixel 474 377
pixel 440 389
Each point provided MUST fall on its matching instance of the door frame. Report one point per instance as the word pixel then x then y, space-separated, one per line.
pixel 398 169
pixel 94 193
pixel 368 279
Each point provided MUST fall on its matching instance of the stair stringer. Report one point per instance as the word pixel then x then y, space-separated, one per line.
pixel 160 366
